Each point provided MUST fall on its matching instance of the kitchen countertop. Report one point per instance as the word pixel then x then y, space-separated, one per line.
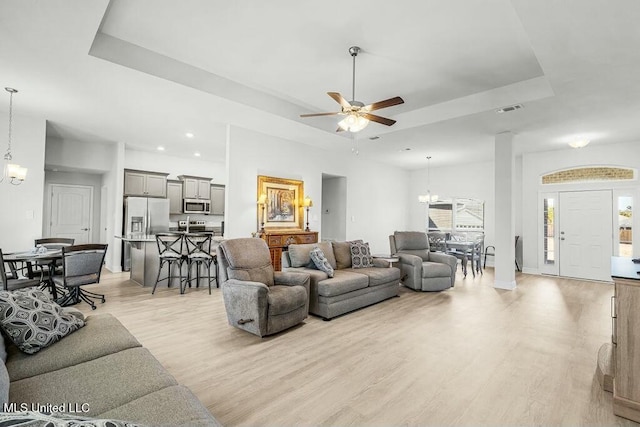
pixel 137 238
pixel 624 268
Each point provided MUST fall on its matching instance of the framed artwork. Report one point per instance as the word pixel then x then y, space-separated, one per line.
pixel 282 200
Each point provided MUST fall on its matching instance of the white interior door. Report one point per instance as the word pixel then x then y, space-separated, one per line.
pixel 71 212
pixel 586 234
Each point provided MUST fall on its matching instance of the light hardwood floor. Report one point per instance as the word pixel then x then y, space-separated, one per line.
pixel 472 355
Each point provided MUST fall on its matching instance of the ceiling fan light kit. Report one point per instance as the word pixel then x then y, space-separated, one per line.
pixel 358 115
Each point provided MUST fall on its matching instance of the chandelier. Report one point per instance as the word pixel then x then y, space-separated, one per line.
pixel 12 173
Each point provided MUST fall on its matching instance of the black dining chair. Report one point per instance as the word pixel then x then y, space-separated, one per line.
pixel 12 281
pixel 81 266
pixel 171 254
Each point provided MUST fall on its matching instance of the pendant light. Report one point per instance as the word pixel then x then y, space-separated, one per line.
pixel 428 198
pixel 12 173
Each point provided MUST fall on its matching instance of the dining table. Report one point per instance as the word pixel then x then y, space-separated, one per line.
pixel 466 247
pixel 49 257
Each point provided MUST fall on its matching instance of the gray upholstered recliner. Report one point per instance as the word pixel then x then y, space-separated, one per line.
pixel 256 298
pixel 422 270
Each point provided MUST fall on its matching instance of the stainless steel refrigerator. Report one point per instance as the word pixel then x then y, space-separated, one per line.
pixel 143 217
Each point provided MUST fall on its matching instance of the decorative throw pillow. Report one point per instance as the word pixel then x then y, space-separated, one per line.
pixel 361 255
pixel 32 321
pixel 58 419
pixel 318 258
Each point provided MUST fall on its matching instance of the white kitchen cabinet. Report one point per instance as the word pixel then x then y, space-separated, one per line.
pixel 217 199
pixel 174 194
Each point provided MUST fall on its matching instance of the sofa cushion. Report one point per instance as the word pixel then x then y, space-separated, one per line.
pixel 103 334
pixel 34 419
pixel 320 261
pixel 300 256
pixel 379 276
pixel 342 253
pixel 435 269
pixel 285 299
pixel 361 255
pixel 341 283
pixel 32 321
pixel 171 406
pixel 104 383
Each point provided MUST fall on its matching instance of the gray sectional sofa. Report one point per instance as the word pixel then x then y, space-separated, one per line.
pixel 100 371
pixel 350 288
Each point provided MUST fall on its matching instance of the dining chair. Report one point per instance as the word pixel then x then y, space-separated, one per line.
pixel 437 241
pixel 198 246
pixel 81 266
pixel 491 251
pixel 12 281
pixel 50 268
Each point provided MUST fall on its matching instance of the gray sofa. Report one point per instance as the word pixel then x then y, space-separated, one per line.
pixel 422 270
pixel 103 369
pixel 350 288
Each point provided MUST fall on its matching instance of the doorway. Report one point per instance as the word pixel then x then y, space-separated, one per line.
pixel 71 212
pixel 333 224
pixel 577 234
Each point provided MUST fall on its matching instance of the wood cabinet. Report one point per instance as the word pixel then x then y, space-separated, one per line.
pixel 174 194
pixel 194 187
pixel 626 338
pixel 279 240
pixel 217 199
pixel 145 184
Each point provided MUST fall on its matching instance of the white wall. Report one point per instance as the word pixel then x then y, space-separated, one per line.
pixel 73 178
pixel 534 165
pixel 21 213
pixel 174 166
pixel 78 155
pixel 113 182
pixel 471 180
pixel 377 193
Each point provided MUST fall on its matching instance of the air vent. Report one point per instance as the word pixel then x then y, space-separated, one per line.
pixel 373 138
pixel 509 108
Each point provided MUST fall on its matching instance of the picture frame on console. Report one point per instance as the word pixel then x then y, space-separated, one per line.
pixel 279 203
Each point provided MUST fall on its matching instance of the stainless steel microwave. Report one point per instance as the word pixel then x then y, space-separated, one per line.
pixel 196 206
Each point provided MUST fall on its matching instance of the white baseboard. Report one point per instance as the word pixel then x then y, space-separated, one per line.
pixel 527 270
pixel 508 285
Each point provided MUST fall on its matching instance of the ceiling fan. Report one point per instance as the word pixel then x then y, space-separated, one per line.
pixel 357 114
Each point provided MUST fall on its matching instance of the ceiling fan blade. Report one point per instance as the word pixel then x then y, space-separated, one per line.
pixel 384 104
pixel 339 99
pixel 319 114
pixel 378 119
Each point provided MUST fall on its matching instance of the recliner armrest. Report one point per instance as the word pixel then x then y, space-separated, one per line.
pixel 290 278
pixel 444 259
pixel 412 260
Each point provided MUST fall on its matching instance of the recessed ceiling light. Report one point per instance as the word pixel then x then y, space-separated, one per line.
pixel 196 154
pixel 160 148
pixel 189 135
pixel 579 143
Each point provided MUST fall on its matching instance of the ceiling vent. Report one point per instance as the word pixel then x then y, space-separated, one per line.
pixel 509 108
pixel 373 138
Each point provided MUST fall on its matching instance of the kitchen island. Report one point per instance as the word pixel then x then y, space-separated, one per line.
pixel 145 259
pixel 619 361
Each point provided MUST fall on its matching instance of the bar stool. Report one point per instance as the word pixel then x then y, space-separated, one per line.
pixel 199 254
pixel 170 246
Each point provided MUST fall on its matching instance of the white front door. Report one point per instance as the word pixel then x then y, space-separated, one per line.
pixel 71 212
pixel 586 234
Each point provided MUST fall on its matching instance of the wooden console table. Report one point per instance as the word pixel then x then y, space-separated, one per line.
pixel 279 240
pixel 625 339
